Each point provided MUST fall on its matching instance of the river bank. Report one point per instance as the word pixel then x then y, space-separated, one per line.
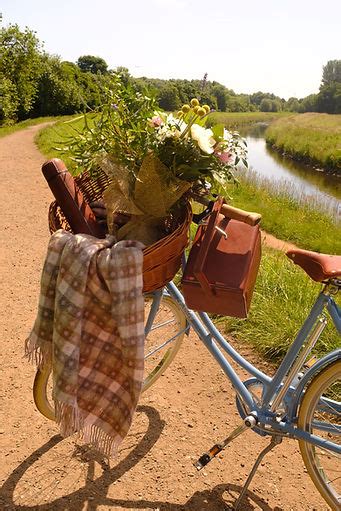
pixel 311 137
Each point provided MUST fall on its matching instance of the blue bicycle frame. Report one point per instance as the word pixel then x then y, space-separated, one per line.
pixel 282 387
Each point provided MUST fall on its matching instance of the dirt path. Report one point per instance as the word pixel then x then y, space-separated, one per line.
pixel 188 410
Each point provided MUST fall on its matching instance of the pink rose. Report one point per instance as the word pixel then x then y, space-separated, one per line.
pixel 225 157
pixel 156 121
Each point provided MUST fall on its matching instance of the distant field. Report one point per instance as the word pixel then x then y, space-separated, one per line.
pixel 311 136
pixel 238 119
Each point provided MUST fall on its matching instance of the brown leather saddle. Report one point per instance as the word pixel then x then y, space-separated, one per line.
pixel 319 267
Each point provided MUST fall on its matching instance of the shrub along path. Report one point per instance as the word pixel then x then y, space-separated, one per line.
pixel 188 409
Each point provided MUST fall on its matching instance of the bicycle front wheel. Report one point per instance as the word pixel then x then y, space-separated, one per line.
pixel 320 414
pixel 162 342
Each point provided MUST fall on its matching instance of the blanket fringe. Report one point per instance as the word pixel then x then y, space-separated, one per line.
pixel 37 355
pixel 70 420
pixel 100 440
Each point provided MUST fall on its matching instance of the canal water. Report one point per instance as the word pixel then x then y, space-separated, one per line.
pixel 300 180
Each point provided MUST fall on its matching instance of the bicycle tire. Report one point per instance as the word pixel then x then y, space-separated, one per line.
pixel 164 339
pixel 323 466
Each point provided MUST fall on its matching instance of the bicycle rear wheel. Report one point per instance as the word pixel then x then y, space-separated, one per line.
pixel 320 414
pixel 162 342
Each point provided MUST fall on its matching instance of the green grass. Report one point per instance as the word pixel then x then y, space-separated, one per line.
pixel 53 140
pixel 312 137
pixel 281 301
pixel 286 218
pixel 7 130
pixel 239 119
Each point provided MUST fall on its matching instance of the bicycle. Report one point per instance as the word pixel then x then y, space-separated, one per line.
pixel 301 401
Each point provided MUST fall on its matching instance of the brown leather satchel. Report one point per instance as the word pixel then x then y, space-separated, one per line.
pixel 222 267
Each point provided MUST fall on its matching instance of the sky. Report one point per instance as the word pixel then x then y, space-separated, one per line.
pixel 277 46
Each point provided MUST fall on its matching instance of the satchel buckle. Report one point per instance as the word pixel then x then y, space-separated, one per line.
pixel 221 231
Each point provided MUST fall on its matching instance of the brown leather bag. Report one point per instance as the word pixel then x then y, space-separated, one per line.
pixel 222 267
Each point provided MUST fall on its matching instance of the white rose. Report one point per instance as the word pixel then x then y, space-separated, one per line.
pixel 204 137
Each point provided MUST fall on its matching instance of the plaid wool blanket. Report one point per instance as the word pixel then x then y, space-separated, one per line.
pixel 90 328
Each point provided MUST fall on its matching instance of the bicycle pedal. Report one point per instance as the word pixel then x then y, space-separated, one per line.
pixel 208 456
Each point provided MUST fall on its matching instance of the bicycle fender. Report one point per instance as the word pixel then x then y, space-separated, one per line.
pixel 311 373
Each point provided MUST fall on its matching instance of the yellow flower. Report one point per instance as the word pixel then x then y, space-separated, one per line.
pixel 194 102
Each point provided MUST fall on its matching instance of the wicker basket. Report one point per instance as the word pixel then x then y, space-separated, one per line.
pixel 161 260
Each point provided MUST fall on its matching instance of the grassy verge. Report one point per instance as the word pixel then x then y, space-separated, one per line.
pixel 53 140
pixel 287 219
pixel 312 137
pixel 239 119
pixel 282 299
pixel 7 130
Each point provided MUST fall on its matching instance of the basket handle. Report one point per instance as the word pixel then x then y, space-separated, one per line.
pixel 198 269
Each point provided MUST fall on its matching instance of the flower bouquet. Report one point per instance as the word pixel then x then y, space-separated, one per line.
pixel 155 161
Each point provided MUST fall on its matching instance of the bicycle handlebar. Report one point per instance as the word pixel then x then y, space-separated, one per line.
pixel 248 217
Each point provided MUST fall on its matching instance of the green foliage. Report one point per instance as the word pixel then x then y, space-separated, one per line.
pixel 56 91
pixel 329 98
pixel 313 137
pixel 168 98
pixel 20 67
pixel 34 83
pixel 282 299
pixel 116 130
pixel 9 100
pixel 331 73
pixel 92 64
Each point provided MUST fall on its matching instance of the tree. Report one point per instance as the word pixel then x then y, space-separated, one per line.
pixel 9 100
pixel 219 92
pixel 331 73
pixel 293 105
pixel 329 99
pixel 309 103
pixel 169 98
pixel 92 64
pixel 21 64
pixel 59 90
pixel 265 105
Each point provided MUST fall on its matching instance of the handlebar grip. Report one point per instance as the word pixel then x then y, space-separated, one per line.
pixel 247 217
